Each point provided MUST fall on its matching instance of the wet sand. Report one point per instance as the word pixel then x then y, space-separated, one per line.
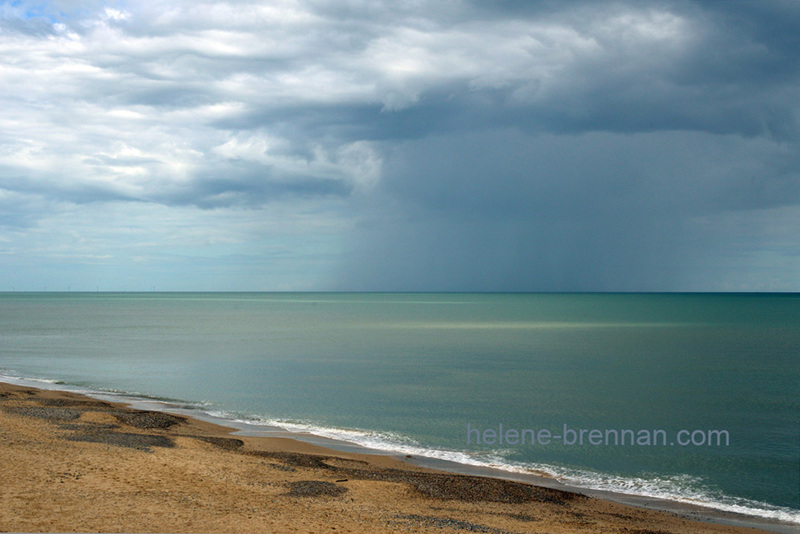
pixel 72 463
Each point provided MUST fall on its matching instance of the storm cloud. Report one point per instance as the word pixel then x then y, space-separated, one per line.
pixel 513 146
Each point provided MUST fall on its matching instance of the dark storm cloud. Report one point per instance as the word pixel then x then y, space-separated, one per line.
pixel 640 204
pixel 471 145
pixel 506 211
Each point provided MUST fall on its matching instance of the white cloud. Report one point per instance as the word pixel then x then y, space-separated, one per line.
pixel 357 164
pixel 116 14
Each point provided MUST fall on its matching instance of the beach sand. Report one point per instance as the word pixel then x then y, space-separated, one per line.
pixel 72 463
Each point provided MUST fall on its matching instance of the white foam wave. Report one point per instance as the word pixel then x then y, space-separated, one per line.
pixel 13 378
pixel 684 488
pixel 680 488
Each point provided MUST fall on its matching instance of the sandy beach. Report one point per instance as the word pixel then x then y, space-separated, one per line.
pixel 73 463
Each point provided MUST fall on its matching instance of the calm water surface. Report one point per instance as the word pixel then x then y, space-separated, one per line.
pixel 412 372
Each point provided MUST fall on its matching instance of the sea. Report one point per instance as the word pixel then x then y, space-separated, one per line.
pixel 687 398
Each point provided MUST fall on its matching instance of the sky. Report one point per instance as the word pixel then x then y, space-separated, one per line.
pixel 310 145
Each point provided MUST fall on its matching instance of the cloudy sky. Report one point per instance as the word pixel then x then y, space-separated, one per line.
pixel 382 145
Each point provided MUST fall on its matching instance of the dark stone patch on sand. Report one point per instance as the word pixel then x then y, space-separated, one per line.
pixel 89 427
pixel 45 412
pixel 225 443
pixel 435 485
pixel 76 403
pixel 143 419
pixel 295 459
pixel 525 518
pixel 282 467
pixel 620 516
pixel 448 523
pixel 314 488
pixel 124 439
pixel 468 488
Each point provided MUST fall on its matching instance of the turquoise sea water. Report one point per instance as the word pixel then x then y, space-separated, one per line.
pixel 413 372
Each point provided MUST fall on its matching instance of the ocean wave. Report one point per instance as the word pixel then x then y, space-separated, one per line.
pixel 12 377
pixel 681 488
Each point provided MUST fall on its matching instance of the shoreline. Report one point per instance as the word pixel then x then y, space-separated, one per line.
pixel 320 487
pixel 694 511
